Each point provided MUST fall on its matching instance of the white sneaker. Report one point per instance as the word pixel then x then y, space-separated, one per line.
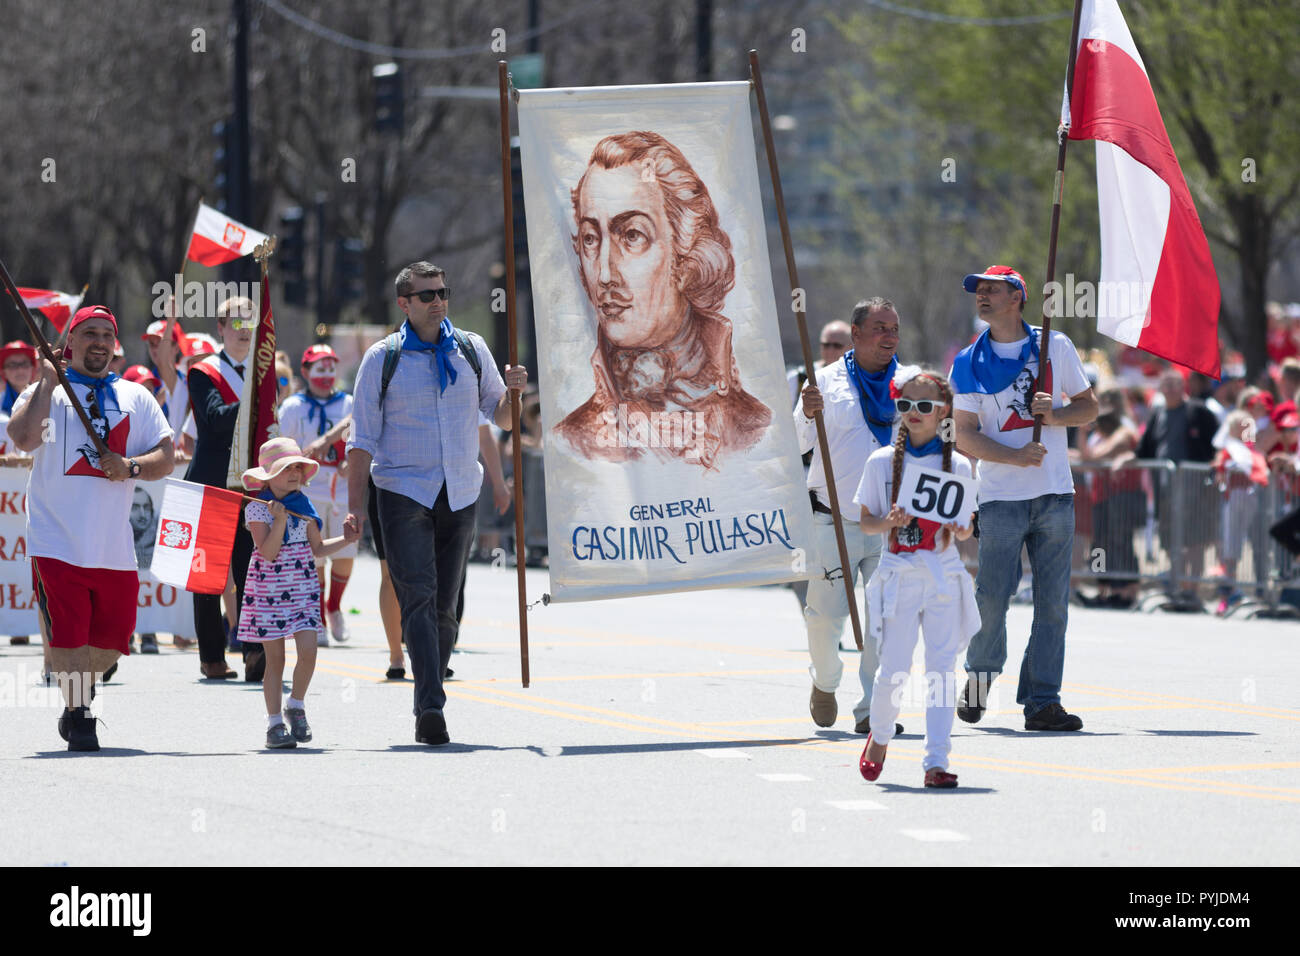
pixel 338 626
pixel 322 638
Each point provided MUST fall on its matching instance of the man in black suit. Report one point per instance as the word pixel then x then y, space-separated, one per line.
pixel 215 385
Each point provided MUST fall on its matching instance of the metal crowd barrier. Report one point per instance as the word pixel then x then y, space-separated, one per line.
pixel 1183 537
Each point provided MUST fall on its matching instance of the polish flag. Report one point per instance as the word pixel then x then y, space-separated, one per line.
pixel 58 307
pixel 1158 291
pixel 217 238
pixel 196 534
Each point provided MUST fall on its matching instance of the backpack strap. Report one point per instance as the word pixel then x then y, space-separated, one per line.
pixel 392 352
pixel 469 353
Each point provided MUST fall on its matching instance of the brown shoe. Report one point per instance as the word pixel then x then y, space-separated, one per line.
pixel 217 670
pixel 184 643
pixel 823 708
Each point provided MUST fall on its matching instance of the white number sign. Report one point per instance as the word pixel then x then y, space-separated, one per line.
pixel 936 495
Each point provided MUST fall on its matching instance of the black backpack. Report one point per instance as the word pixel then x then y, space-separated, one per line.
pixel 393 352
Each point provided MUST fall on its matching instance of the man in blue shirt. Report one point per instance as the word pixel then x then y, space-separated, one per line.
pixel 417 437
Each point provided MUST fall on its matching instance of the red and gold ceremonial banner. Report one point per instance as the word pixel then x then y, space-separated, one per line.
pixel 670 455
pixel 256 421
pixel 160 607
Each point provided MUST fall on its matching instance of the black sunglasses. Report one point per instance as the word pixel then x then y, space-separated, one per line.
pixel 925 405
pixel 428 295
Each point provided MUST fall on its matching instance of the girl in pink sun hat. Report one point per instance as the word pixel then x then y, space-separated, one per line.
pixel 282 593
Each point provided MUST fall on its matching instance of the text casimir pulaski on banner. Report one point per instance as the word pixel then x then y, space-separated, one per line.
pixel 657 267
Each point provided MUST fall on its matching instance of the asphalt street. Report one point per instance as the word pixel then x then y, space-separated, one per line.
pixel 666 730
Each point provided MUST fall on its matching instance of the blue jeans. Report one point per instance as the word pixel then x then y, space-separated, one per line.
pixel 1044 525
pixel 427 552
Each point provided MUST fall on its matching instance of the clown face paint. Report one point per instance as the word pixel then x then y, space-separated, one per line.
pixel 321 375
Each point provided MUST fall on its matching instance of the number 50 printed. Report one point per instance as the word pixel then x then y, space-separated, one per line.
pixel 936 495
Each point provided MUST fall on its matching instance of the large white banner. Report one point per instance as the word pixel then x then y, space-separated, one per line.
pixel 160 607
pixel 671 461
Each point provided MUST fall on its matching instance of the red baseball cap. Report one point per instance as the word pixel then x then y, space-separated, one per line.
pixel 17 347
pixel 155 331
pixel 198 343
pixel 317 352
pixel 89 312
pixel 142 376
pixel 1286 415
pixel 999 273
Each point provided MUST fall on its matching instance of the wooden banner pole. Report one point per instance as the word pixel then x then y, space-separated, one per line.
pixel 849 573
pixel 521 546
pixel 1058 190
pixel 44 346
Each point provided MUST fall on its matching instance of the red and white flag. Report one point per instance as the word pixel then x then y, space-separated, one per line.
pixel 1158 289
pixel 58 307
pixel 196 534
pixel 217 238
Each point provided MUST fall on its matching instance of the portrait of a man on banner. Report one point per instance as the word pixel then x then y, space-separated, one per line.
pixel 656 267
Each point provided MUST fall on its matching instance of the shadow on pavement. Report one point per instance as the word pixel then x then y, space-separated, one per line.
pixel 119 752
pixel 1012 732
pixel 1202 733
pixel 900 788
pixel 451 748
pixel 680 746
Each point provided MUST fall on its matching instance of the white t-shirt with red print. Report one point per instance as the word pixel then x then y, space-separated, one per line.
pixel 876 488
pixel 74 513
pixel 1006 418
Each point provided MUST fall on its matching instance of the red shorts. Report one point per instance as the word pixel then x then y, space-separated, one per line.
pixel 81 606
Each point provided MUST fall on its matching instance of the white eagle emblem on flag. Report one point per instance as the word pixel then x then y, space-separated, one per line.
pixel 233 236
pixel 175 534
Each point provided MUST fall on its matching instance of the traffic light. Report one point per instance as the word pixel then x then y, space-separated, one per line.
pixel 350 269
pixel 390 111
pixel 221 163
pixel 291 250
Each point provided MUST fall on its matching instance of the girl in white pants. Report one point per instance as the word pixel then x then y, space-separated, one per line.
pixel 920 582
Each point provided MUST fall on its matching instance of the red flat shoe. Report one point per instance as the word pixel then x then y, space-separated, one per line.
pixel 869 769
pixel 940 779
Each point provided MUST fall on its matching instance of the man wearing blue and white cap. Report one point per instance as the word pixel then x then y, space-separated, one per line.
pixel 1026 495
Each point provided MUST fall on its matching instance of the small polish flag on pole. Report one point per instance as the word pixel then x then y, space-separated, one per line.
pixel 196 534
pixel 217 238
pixel 58 307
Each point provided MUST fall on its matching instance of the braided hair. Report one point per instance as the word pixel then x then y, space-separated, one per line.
pixel 900 443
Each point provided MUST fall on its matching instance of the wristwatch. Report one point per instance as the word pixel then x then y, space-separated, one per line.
pixel 135 468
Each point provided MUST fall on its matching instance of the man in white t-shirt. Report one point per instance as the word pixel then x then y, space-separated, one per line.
pixel 317 418
pixel 853 394
pixel 1026 495
pixel 79 507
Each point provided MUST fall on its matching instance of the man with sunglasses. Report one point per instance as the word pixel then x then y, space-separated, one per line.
pixel 416 407
pixel 215 384
pixel 853 394
pixel 1026 496
pixel 79 508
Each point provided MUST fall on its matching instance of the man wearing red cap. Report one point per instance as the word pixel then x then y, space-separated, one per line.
pixel 317 418
pixel 79 506
pixel 1026 495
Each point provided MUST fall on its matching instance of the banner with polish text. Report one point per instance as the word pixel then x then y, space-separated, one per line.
pixel 670 455
pixel 160 608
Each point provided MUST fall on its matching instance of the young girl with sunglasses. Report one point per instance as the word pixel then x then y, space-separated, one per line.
pixel 920 582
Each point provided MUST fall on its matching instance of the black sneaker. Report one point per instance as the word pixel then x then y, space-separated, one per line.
pixel 431 729
pixel 863 727
pixel 1053 717
pixel 65 723
pixel 148 643
pixel 81 730
pixel 971 713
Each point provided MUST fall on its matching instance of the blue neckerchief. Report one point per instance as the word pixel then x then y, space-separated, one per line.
pixel 932 447
pixel 103 388
pixel 977 368
pixel 873 390
pixel 320 405
pixel 445 347
pixel 7 403
pixel 293 501
pixel 167 414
